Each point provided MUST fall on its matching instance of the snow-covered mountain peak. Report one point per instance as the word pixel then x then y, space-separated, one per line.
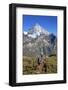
pixel 37 30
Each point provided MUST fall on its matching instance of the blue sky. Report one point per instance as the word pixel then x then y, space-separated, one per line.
pixel 47 22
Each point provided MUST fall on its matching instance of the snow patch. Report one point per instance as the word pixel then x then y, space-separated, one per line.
pixel 25 33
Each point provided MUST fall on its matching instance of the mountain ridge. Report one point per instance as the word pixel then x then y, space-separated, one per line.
pixel 38 38
pixel 36 30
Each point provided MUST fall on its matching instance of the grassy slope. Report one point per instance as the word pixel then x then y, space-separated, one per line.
pixel 30 65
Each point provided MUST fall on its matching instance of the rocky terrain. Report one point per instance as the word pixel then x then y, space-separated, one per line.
pixel 38 40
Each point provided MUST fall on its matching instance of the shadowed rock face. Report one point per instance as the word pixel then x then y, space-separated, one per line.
pixel 39 40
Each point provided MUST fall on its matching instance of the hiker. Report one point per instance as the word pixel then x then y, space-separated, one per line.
pixel 40 59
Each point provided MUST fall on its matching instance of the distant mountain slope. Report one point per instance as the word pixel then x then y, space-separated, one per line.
pixel 38 40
